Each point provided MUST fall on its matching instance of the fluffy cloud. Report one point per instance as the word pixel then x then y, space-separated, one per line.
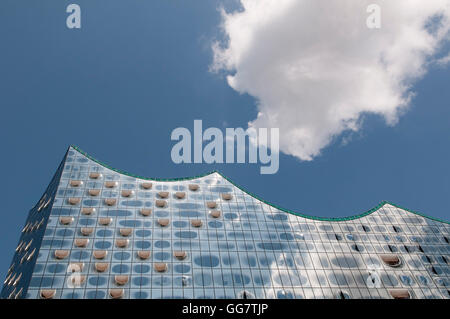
pixel 315 67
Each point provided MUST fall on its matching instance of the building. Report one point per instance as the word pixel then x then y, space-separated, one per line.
pixel 101 233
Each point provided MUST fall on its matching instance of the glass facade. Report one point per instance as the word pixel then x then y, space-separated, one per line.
pixel 100 233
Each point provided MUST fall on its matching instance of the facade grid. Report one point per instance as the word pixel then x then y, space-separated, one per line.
pixel 99 233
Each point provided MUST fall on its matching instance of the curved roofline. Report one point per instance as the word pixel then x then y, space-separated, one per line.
pixel 331 219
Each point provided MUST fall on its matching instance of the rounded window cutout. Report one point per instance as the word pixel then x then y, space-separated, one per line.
pixel 284 294
pixel 343 295
pixel 245 295
pixel 391 260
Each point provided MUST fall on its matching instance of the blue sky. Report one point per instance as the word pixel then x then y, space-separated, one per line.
pixel 138 69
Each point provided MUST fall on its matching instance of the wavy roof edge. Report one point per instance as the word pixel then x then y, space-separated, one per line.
pixel 331 219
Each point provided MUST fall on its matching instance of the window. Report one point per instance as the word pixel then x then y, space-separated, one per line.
pixel 19 294
pixel 226 196
pixel 193 187
pixel 397 229
pixel 146 211
pixel 100 254
pixel 104 221
pixel 110 201
pixel 47 203
pixel 180 195
pixel 392 248
pixel 127 193
pixel 31 254
pixel 65 220
pixel 94 192
pixel 61 254
pixel 245 295
pixel 211 205
pixel 284 294
pixel 215 213
pixel 116 293
pixel 343 295
pixel 87 210
pixel 436 270
pixel 47 293
pixel 427 259
pixel 406 280
pixel 391 260
pixel 196 223
pixel 19 247
pixel 76 183
pixel 180 255
pixel 95 175
pixel 160 203
pixel 163 222
pixel 101 267
pixel 7 278
pixel 400 294
pixel 423 280
pixel 160 267
pixel 143 254
pixel 25 229
pixel 121 279
pixel 81 242
pixel 17 280
pixel 122 243
pixel 163 194
pixel 146 185
pixel 28 245
pixel 126 231
pixel 74 200
pixel 11 268
pixel 111 184
pixel 10 280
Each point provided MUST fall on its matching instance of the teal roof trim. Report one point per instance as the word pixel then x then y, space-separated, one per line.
pixel 331 219
pixel 137 176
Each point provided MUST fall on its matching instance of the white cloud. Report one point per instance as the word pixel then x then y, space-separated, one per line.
pixel 443 61
pixel 315 68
